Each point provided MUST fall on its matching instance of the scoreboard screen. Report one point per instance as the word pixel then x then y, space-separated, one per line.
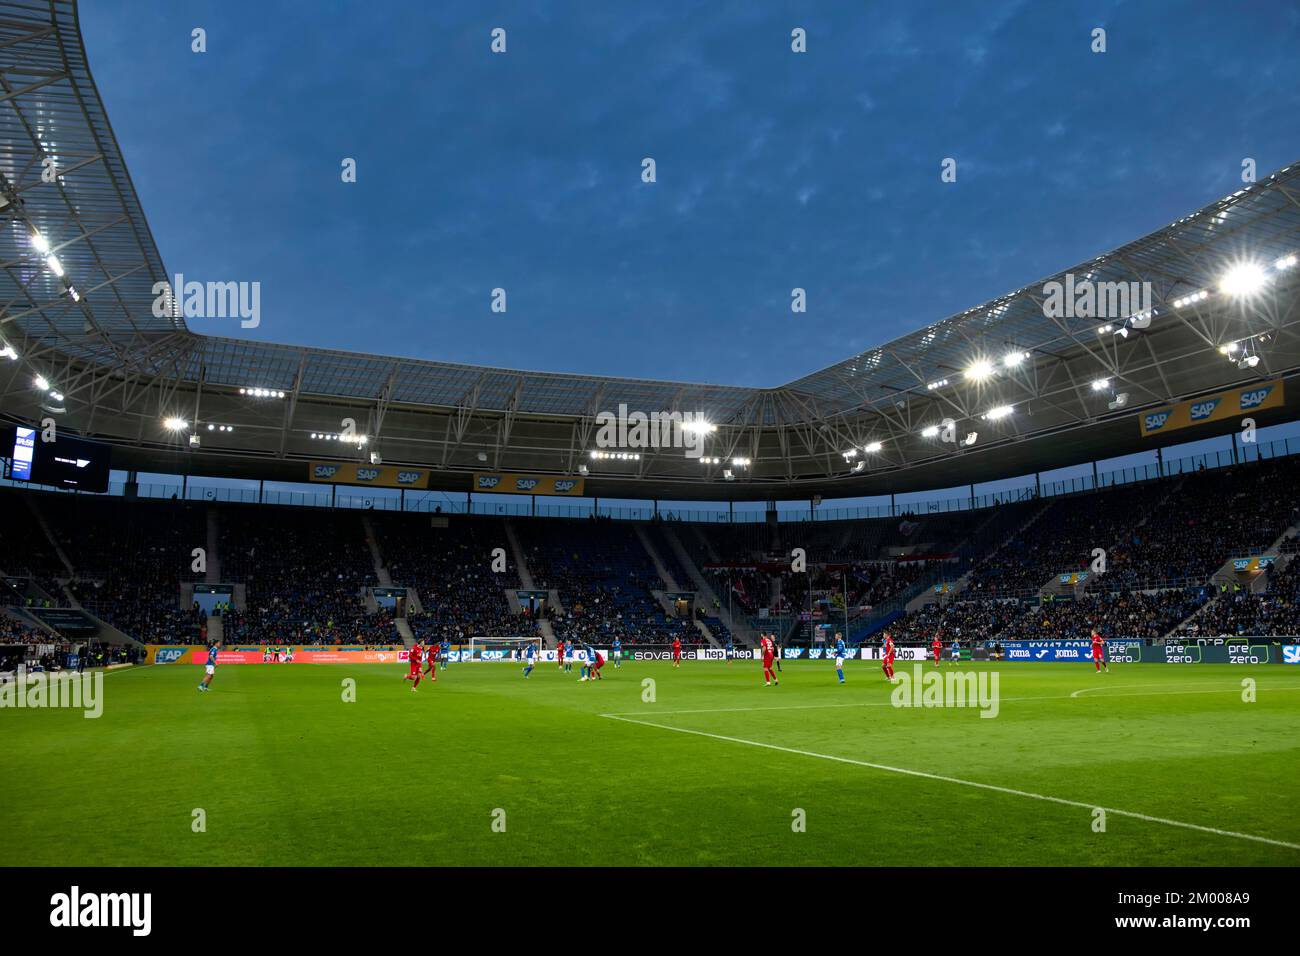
pixel 66 463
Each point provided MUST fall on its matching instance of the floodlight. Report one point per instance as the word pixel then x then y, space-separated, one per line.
pixel 1243 280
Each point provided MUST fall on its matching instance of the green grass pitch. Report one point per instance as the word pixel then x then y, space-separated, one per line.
pixel 288 773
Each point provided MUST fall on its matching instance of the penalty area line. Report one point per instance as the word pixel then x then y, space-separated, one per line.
pixel 1010 791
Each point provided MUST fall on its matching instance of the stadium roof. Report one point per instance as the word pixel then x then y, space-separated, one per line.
pixel 80 310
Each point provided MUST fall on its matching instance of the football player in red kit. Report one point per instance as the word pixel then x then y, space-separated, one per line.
pixel 768 648
pixel 415 656
pixel 937 646
pixel 888 665
pixel 1099 653
pixel 677 652
pixel 431 662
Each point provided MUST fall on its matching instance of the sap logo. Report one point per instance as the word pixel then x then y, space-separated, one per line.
pixel 169 655
pixel 1291 654
pixel 407 477
pixel 1156 420
pixel 488 481
pixel 367 474
pixel 1203 410
pixel 1043 653
pixel 565 486
pixel 325 471
pixel 526 484
pixel 1255 397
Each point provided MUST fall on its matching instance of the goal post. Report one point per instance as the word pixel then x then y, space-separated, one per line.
pixel 501 648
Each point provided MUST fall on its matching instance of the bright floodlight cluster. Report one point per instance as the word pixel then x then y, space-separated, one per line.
pixel 615 456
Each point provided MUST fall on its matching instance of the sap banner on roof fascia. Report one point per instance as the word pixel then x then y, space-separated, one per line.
pixel 511 484
pixel 1213 408
pixel 376 476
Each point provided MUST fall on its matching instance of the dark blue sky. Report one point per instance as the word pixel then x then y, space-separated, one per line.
pixel 775 170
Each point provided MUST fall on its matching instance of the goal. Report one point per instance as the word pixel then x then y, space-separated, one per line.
pixel 501 648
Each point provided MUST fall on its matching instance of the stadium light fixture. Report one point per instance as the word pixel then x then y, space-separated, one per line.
pixel 1230 349
pixel 930 431
pixel 740 462
pixel 1248 362
pixel 1100 384
pixel 1102 330
pixel 41 382
pixel 1244 279
pixel 54 265
pixel 175 424
pixel 937 383
pixel 851 453
pixel 257 392
pixel 873 447
pixel 1012 359
pixel 970 438
pixel 584 470
pixel 699 427
pixel 1286 262
pixel 728 475
pixel 1190 299
pixel 979 370
pixel 40 243
pixel 1001 411
pixel 9 352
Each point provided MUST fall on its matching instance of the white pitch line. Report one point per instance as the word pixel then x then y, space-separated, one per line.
pixel 967 783
pixel 1088 690
pixel 884 703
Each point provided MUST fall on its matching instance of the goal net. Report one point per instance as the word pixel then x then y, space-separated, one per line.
pixel 501 648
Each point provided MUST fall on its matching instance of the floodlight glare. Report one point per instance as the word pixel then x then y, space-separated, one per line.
pixel 873 447
pixel 1286 262
pixel 1243 280
pixel 42 383
pixel 175 424
pixel 930 431
pixel 41 243
pixel 1002 411
pixel 1100 384
pixel 1012 359
pixel 979 370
